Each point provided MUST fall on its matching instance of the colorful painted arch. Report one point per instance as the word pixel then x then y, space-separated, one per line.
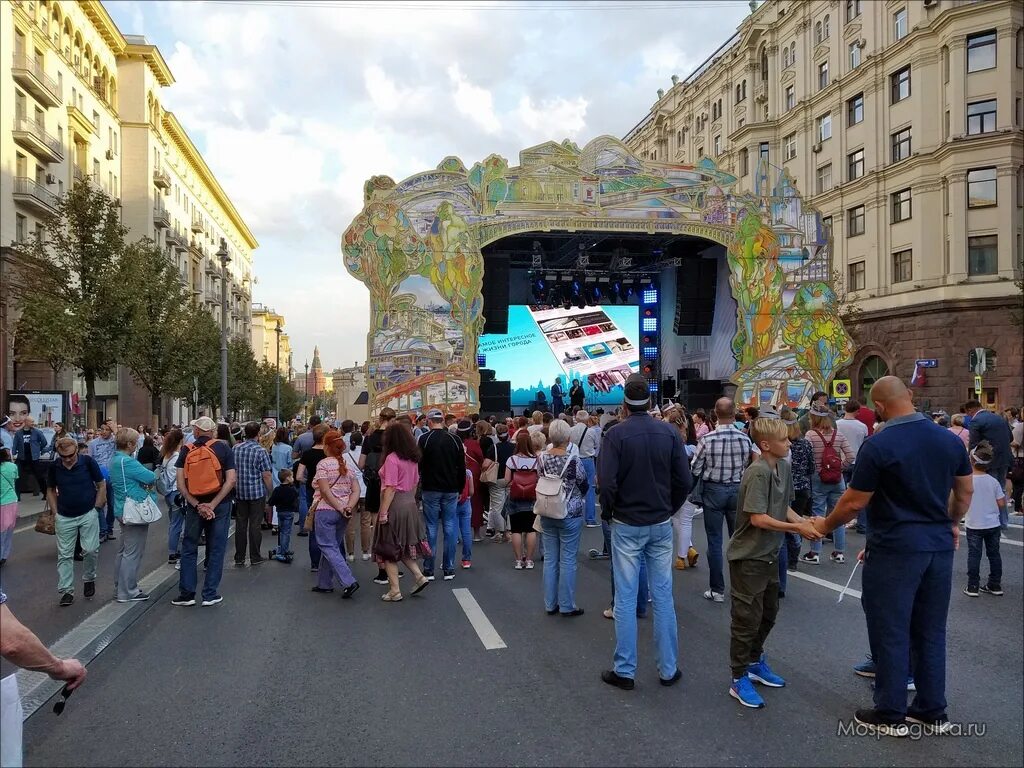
pixel 417 244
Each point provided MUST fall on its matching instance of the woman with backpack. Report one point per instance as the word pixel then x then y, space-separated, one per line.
pixel 831 453
pixel 561 535
pixel 521 471
pixel 167 480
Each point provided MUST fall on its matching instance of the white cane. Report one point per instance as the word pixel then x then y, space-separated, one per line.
pixel 848 581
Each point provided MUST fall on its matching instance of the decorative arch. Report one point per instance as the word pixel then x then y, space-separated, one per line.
pixel 417 246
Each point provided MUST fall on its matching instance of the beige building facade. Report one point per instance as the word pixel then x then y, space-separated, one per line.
pixel 901 122
pixel 80 101
pixel 264 339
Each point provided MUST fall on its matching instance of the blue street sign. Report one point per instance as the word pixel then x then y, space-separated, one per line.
pixel 929 363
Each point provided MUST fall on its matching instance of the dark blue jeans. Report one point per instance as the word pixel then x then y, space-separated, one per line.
pixel 216 531
pixel 285 518
pixel 719 505
pixel 905 596
pixel 989 538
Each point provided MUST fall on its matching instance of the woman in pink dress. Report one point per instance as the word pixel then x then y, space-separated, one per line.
pixel 335 497
pixel 700 423
pixel 960 430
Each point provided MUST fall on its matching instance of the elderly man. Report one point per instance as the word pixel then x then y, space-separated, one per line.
pixel 986 425
pixel 907 472
pixel 253 485
pixel 102 448
pixel 587 439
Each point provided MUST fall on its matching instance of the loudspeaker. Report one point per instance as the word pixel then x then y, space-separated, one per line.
pixel 696 288
pixel 495 293
pixel 668 388
pixel 699 393
pixel 486 374
pixel 498 404
pixel 495 389
pixel 684 374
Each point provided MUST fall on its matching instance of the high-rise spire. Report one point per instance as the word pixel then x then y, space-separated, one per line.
pixel 316 358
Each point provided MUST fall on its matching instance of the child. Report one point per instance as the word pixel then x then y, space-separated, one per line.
pixel 983 516
pixel 8 502
pixel 286 500
pixel 763 515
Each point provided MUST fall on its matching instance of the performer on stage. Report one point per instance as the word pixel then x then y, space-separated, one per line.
pixel 557 404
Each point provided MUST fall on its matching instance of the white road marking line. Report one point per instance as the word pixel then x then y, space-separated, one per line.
pixel 823 583
pixel 1014 542
pixel 484 629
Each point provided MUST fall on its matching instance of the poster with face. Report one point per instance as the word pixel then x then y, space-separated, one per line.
pixel 46 408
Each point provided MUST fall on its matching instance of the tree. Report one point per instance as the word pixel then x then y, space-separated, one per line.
pixel 78 268
pixel 199 375
pixel 243 379
pixel 156 346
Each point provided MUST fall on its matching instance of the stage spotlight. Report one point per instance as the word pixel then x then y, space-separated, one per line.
pixel 595 292
pixel 539 290
pixel 581 301
pixel 615 292
pixel 630 293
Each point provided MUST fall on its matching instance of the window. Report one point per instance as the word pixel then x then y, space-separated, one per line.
pixel 981 187
pixel 899 85
pixel 823 75
pixel 855 165
pixel 899 24
pixel 825 26
pixel 762 151
pixel 945 64
pixel 855 110
pixel 823 127
pixel 790 97
pixel 718 145
pixel 901 145
pixel 20 228
pixel 981 117
pixel 789 145
pixel 901 206
pixel 741 92
pixel 96 123
pixel 981 51
pixel 823 179
pixel 903 266
pixel 714 111
pixel 982 255
pixel 792 52
pixel 856 275
pixel 855 221
pixel 826 225
pixel 817 33
pixel 854 55
pixel 852 9
pixel 744 162
pixel 785 57
pixel 700 152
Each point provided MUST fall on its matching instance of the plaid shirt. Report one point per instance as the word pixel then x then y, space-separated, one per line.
pixel 722 455
pixel 251 461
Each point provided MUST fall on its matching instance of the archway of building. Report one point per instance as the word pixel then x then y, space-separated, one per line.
pixel 420 245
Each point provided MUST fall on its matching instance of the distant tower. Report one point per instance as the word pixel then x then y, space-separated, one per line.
pixel 315 378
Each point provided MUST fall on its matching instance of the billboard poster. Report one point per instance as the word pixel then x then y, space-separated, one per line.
pixel 46 407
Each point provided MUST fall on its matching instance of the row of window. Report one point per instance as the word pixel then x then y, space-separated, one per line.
pixel 982 259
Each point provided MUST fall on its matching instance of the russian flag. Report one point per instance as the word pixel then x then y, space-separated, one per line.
pixel 918 379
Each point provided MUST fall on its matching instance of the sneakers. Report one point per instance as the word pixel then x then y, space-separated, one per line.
pixel 366 555
pixel 931 726
pixel 971 591
pixel 597 554
pixel 350 558
pixel 865 668
pixel 184 599
pixel 810 557
pixel 529 565
pixel 743 691
pixel 429 575
pixel 681 564
pixel 139 598
pixel 66 599
pixel 350 590
pixel 837 557
pixel 997 591
pixel 519 565
pixel 715 597
pixel 449 575
pixel 625 683
pixel 760 672
pixel 380 578
pixel 593 525
pixel 467 564
pixel 876 724
pixel 213 600
pixel 911 685
pixel 90 589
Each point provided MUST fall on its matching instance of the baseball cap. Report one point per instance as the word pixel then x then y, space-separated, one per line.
pixel 637 393
pixel 205 424
pixel 435 414
pixel 465 425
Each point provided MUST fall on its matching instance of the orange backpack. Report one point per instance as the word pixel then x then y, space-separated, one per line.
pixel 203 473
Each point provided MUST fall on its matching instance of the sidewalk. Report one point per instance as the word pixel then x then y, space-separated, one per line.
pixel 30 505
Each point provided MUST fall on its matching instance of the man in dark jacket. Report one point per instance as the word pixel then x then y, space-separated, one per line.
pixel 986 425
pixel 442 476
pixel 644 479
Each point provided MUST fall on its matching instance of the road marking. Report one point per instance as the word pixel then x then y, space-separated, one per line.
pixel 484 629
pixel 822 583
pixel 1014 542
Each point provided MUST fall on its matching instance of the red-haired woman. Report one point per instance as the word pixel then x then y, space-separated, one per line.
pixel 335 497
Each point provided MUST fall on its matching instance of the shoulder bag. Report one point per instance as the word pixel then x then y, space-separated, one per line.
pixel 308 525
pixel 489 474
pixel 138 512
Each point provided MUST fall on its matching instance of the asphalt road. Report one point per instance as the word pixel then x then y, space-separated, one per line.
pixel 278 675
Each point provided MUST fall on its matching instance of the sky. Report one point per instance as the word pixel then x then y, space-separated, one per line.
pixel 296 103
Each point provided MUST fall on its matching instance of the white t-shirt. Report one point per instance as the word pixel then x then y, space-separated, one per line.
pixel 352 462
pixel 855 432
pixel 984 510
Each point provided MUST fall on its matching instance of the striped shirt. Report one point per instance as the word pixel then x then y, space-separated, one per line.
pixel 841 445
pixel 722 455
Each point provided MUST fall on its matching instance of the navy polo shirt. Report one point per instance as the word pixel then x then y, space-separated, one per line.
pixel 910 468
pixel 76 487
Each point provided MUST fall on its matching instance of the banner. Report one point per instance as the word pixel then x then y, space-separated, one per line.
pixel 45 407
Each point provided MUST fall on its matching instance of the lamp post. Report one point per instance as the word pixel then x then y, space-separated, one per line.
pixel 278 377
pixel 305 392
pixel 222 254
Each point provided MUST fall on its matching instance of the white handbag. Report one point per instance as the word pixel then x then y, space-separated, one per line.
pixel 138 512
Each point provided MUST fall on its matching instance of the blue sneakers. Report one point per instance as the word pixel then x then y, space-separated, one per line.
pixel 760 672
pixel 743 691
pixel 865 668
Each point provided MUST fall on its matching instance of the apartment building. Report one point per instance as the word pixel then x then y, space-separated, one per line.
pixel 87 105
pixel 901 122
pixel 265 344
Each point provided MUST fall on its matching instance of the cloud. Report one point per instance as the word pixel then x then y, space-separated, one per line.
pixel 473 102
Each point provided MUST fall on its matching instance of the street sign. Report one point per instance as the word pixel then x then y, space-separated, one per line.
pixel 930 362
pixel 977 385
pixel 841 389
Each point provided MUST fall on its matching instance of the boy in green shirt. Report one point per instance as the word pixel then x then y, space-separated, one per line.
pixel 763 516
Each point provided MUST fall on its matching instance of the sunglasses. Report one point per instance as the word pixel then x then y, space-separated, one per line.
pixel 58 706
pixel 67 455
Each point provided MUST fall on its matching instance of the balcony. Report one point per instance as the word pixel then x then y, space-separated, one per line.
pixel 161 218
pixel 198 226
pixel 33 195
pixel 162 179
pixel 29 74
pixel 32 136
pixel 80 124
pixel 176 239
pixel 212 268
pixel 761 92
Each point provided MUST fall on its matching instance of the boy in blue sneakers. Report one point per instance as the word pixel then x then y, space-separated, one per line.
pixel 285 498
pixel 763 516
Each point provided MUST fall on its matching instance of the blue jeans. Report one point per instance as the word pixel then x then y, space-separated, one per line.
pixel 905 597
pixel 823 498
pixel 1004 512
pixel 590 502
pixel 561 540
pixel 465 513
pixel 630 546
pixel 175 524
pixel 106 515
pixel 438 505
pixel 216 531
pixel 643 593
pixel 285 518
pixel 303 505
pixel 989 537
pixel 719 505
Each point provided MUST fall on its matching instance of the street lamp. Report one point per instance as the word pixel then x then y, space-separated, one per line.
pixel 222 254
pixel 278 377
pixel 305 391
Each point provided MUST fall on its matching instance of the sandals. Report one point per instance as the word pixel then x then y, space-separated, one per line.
pixel 420 586
pixel 389 597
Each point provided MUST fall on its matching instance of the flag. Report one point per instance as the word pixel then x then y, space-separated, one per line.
pixel 918 379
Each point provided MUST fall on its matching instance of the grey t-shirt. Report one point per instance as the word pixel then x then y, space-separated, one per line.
pixel 762 491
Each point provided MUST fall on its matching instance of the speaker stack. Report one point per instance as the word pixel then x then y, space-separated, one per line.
pixel 495 396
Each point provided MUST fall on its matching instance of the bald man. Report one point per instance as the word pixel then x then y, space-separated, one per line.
pixel 907 473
